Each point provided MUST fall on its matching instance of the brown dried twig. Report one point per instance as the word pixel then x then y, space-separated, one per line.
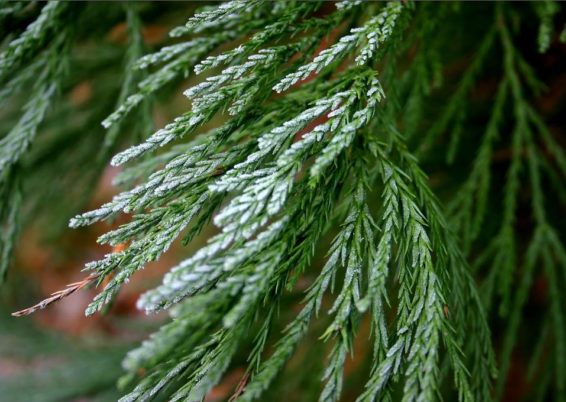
pixel 240 388
pixel 58 295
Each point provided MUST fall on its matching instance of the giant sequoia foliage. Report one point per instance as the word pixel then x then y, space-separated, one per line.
pixel 406 143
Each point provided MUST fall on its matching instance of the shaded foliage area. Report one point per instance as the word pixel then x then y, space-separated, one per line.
pixel 41 366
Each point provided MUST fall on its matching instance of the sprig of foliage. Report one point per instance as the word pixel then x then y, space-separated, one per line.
pixel 52 68
pixel 286 137
pixel 502 256
pixel 40 71
pixel 241 261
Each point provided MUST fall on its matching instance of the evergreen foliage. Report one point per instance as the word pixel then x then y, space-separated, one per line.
pixel 286 144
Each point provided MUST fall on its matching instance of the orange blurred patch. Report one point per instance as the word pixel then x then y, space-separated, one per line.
pixel 118 33
pixel 224 389
pixel 152 34
pixel 81 93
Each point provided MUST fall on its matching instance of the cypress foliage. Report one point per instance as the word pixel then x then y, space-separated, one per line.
pixel 286 144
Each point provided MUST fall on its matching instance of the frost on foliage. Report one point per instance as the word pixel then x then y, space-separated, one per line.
pixel 179 127
pixel 211 84
pixel 187 169
pixel 215 61
pixel 267 189
pixel 377 30
pixel 180 58
pixel 323 59
pixel 208 93
pixel 33 38
pixel 17 141
pixel 272 142
pixel 347 4
pixel 273 178
pixel 213 17
pixel 223 87
pixel 346 132
pixel 143 249
pixel 204 268
pixel 168 52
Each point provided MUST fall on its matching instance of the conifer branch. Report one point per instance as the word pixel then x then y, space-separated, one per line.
pixel 306 121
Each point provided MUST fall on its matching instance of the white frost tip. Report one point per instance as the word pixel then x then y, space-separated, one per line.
pixel 118 159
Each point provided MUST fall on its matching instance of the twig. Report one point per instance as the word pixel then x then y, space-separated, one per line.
pixel 58 295
pixel 240 388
